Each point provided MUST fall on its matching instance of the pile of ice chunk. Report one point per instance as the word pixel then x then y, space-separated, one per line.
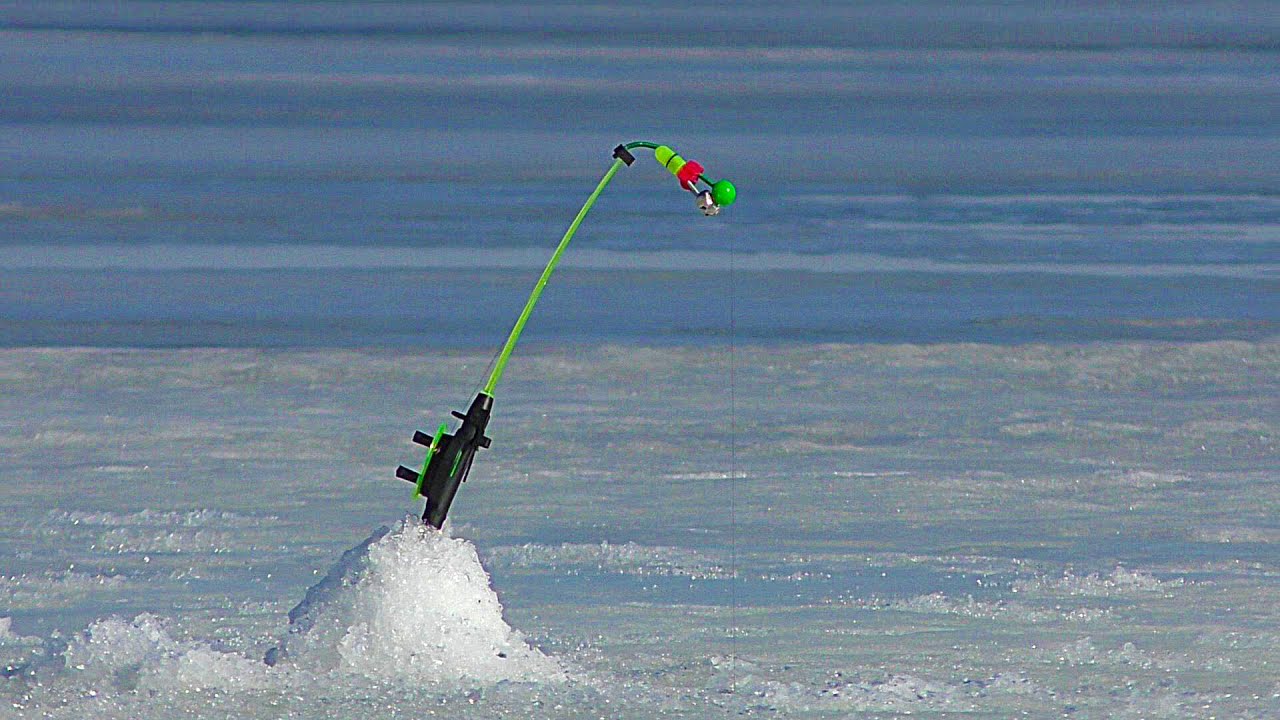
pixel 416 605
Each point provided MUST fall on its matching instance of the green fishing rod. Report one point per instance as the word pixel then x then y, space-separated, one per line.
pixel 449 455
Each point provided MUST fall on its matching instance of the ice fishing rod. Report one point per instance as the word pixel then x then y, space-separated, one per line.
pixel 449 456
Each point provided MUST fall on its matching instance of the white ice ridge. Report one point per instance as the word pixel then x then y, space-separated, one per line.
pixel 142 654
pixel 415 605
pixel 627 558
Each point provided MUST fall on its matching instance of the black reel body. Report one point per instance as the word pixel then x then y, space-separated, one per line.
pixel 449 462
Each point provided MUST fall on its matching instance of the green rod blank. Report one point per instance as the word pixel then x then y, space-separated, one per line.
pixel 514 337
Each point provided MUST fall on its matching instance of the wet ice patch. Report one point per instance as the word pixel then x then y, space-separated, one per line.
pixel 415 605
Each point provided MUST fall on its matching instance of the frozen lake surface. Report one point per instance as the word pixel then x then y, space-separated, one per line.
pixel 966 408
pixel 862 531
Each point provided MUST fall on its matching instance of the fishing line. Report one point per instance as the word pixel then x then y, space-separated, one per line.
pixel 733 477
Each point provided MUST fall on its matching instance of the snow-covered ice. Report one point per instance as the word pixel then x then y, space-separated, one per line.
pixel 878 529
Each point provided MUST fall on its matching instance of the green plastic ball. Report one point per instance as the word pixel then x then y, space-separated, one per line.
pixel 724 193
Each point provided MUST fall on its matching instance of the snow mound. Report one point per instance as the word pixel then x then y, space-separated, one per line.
pixel 415 605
